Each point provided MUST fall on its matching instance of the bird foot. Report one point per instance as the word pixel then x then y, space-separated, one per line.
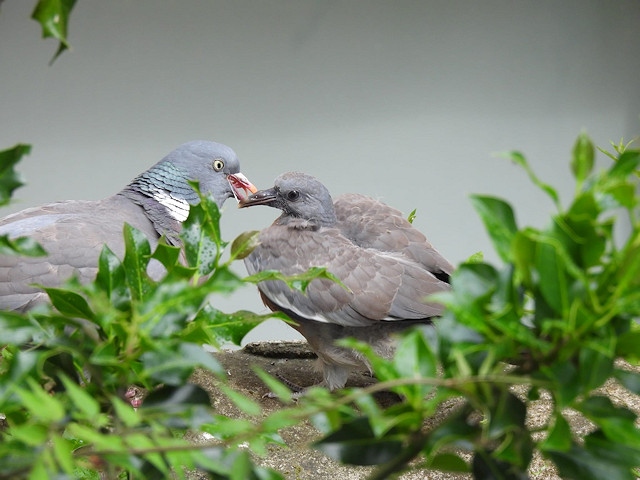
pixel 297 390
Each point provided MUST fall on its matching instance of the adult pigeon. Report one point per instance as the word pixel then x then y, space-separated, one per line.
pixel 73 232
pixel 388 268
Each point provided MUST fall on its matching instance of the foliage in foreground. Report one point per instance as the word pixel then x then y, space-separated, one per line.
pixel 552 319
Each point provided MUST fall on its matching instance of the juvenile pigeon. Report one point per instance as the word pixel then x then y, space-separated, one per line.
pixel 388 267
pixel 73 232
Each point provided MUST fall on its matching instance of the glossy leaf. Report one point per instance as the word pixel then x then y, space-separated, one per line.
pixel 229 327
pixel 111 277
pixel 136 259
pixel 244 244
pixel 201 235
pixel 499 221
pixel 9 178
pixel 70 303
pixel 298 282
pixel 53 16
pixel 167 255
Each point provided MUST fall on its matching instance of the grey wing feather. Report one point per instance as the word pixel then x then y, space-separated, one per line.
pixel 373 224
pixel 73 233
pixel 380 287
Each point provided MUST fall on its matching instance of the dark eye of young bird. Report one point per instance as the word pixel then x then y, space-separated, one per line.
pixel 293 195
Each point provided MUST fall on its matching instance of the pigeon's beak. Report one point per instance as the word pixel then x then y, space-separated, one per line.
pixel 241 186
pixel 262 197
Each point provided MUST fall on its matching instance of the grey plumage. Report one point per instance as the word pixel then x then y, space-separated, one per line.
pixel 73 232
pixel 388 267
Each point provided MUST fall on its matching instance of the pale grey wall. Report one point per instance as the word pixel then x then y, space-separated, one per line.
pixel 406 101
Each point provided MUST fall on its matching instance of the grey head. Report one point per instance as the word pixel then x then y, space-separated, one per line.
pixel 208 163
pixel 304 201
pixel 164 190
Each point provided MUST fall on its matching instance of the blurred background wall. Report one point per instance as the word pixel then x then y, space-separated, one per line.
pixel 407 101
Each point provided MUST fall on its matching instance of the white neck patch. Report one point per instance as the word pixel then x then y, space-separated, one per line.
pixel 178 207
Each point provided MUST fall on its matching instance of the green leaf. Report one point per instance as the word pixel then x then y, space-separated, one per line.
pixel 617 423
pixel 26 246
pixel 559 438
pixel 167 255
pixel 127 415
pixel 229 327
pixel 297 282
pixel 62 449
pixel 415 359
pixel 111 277
pixel 455 430
pixel 172 399
pixel 82 401
pixel 582 157
pixel 169 306
pixel 499 221
pixel 355 444
pixel 16 368
pixel 244 244
pixel 594 462
pixel 53 16
pixel 201 235
pixel 16 328
pixel 40 403
pixel 627 163
pixel 449 462
pixel 70 303
pixel 509 413
pixel 412 216
pixel 565 379
pixel 595 368
pixel 30 434
pixel 136 259
pixel 630 380
pixel 550 262
pixel 174 367
pixel 485 466
pixel 9 178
